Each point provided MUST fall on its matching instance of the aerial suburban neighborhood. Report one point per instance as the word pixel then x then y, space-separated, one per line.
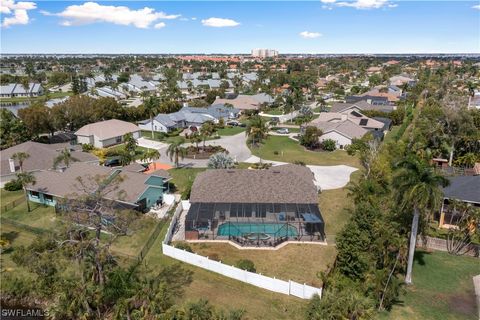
pixel 160 162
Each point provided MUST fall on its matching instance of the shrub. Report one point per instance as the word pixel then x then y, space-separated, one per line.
pixel 310 136
pixel 300 163
pixel 246 264
pixel 214 257
pixel 329 145
pixel 275 153
pixel 183 246
pixel 87 147
pixel 13 185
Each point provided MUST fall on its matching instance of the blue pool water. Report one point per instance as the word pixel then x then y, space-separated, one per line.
pixel 273 229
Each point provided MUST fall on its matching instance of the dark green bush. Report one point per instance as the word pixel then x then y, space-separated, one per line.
pixel 13 185
pixel 246 264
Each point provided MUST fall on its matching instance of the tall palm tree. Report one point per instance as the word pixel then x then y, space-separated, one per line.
pixel 65 156
pixel 418 187
pixel 26 178
pixel 152 106
pixel 20 157
pixel 256 129
pixel 176 151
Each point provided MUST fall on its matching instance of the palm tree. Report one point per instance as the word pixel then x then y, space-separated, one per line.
pixel 65 156
pixel 256 129
pixel 152 107
pixel 418 187
pixel 20 157
pixel 151 155
pixel 26 178
pixel 195 138
pixel 207 129
pixel 175 150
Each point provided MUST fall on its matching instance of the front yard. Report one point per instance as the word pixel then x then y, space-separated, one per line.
pixel 284 149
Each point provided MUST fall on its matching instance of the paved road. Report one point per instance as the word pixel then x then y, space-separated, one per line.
pixel 326 177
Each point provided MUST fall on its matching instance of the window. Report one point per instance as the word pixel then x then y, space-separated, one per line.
pixel 118 139
pixel 48 197
pixel 34 194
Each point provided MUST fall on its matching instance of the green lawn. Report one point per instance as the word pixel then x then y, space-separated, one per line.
pixel 41 216
pixel 274 112
pixel 390 137
pixel 297 262
pixel 230 131
pixel 7 197
pixel 184 177
pixel 131 245
pixel 442 289
pixel 289 151
pixel 334 205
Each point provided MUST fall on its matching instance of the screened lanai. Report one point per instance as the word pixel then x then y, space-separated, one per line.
pixel 259 224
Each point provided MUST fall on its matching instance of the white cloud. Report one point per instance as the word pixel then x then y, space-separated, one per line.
pixel 194 18
pixel 92 12
pixel 476 7
pixel 219 22
pixel 366 4
pixel 159 25
pixel 328 1
pixel 16 12
pixel 310 35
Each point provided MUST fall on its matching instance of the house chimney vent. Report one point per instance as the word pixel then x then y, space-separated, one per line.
pixel 11 163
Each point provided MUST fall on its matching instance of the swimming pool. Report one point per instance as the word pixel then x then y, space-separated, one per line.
pixel 240 229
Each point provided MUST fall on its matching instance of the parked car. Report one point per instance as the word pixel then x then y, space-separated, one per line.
pixel 112 162
pixel 243 125
pixel 283 131
pixel 232 123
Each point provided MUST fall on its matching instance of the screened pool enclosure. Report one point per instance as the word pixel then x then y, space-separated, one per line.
pixel 254 224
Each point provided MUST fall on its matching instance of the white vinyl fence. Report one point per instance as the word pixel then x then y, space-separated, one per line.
pixel 293 288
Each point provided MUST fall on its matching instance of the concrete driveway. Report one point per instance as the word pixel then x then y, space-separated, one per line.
pixel 326 177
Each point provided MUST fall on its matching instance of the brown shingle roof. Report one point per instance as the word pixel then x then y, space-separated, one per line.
pixel 41 156
pixel 280 184
pixel 66 184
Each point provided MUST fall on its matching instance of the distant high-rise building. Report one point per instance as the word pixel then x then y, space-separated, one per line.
pixel 264 53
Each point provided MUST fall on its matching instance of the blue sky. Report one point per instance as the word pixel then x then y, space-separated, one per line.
pixel 326 26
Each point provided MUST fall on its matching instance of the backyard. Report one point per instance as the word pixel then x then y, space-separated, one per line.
pixel 284 149
pixel 442 289
pixel 297 262
pixel 229 293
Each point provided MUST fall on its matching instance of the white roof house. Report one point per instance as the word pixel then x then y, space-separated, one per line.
pixel 18 90
pixel 106 133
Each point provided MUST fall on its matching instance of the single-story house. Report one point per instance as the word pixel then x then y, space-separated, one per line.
pixel 41 158
pixel 255 207
pixel 362 105
pixel 135 191
pixel 401 80
pixel 18 90
pixel 346 126
pixel 246 102
pixel 462 188
pixel 106 133
pixel 188 117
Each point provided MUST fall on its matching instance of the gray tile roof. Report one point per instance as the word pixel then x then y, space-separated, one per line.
pixel 280 184
pixel 465 188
